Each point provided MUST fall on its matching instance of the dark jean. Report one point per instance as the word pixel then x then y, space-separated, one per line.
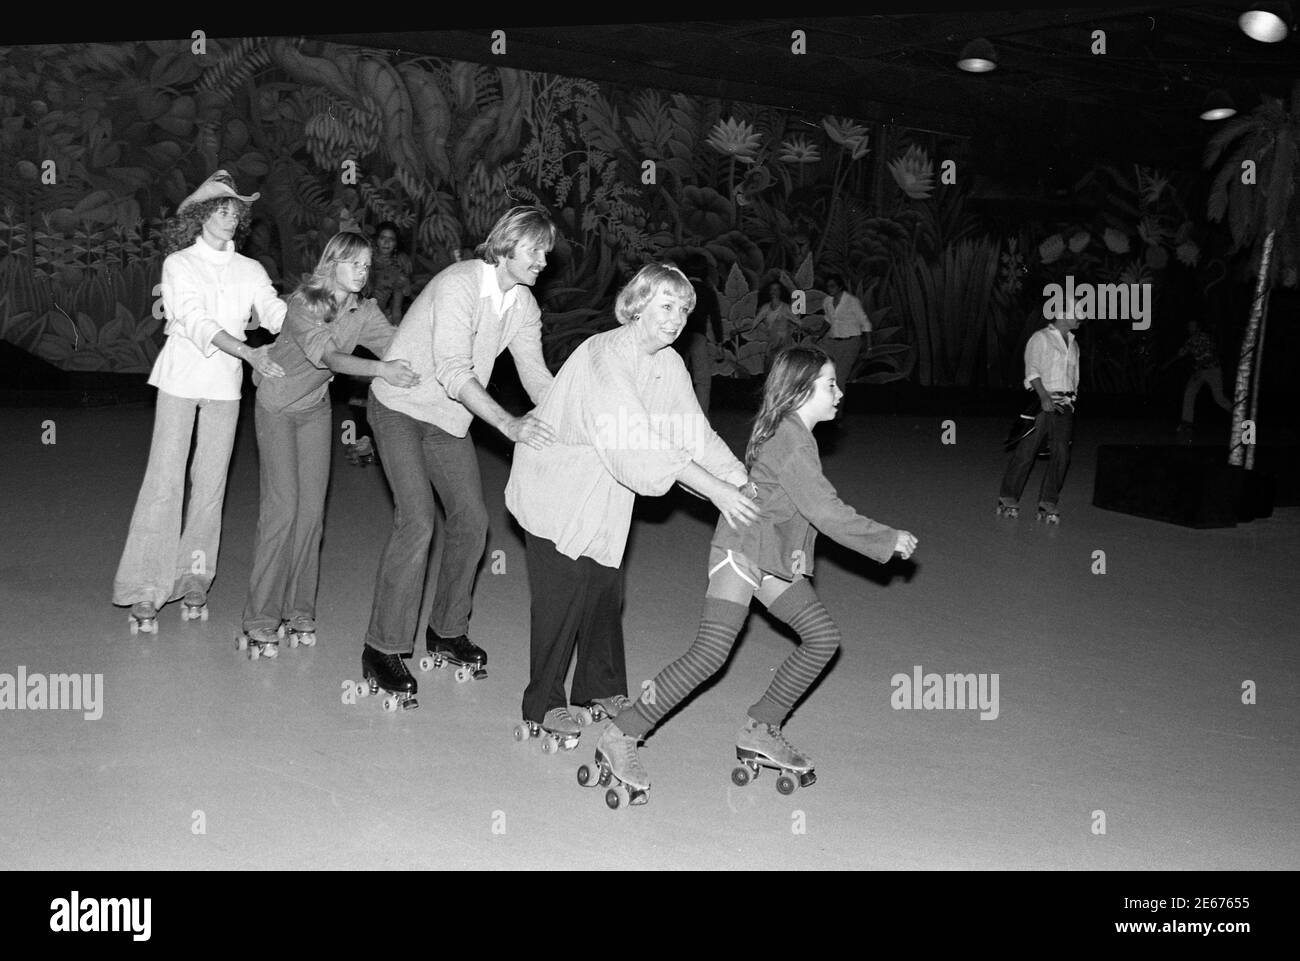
pixel 1054 429
pixel 420 459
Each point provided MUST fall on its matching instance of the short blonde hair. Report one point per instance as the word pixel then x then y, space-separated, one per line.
pixel 633 298
pixel 516 224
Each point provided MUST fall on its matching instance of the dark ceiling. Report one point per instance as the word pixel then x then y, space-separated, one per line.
pixel 1051 96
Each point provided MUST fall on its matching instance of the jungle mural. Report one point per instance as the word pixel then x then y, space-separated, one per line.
pixel 99 142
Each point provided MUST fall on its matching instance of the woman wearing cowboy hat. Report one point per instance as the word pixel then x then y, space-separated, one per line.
pixel 209 292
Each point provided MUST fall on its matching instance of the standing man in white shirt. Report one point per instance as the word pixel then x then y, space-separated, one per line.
pixel 451 335
pixel 849 323
pixel 209 292
pixel 1051 371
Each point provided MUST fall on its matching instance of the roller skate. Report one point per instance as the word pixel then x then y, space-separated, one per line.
pixel 387 672
pixel 469 658
pixel 1049 514
pixel 557 730
pixel 362 452
pixel 763 745
pixel 259 642
pixel 194 606
pixel 618 769
pixel 299 630
pixel 143 618
pixel 601 709
pixel 1008 510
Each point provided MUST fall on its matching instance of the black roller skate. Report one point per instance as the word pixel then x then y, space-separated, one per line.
pixel 601 709
pixel 194 606
pixel 557 730
pixel 1008 510
pixel 299 630
pixel 1049 515
pixel 387 672
pixel 469 658
pixel 143 618
pixel 763 745
pixel 259 642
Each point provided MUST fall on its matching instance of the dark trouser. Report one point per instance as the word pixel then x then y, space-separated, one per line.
pixel 573 601
pixel 1054 429
pixel 294 469
pixel 415 455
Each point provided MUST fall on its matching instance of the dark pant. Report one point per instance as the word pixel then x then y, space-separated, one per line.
pixel 1055 430
pixel 573 601
pixel 416 455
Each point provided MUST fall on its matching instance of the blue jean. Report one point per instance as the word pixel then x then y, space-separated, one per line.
pixel 294 464
pixel 421 459
pixel 163 559
pixel 1056 430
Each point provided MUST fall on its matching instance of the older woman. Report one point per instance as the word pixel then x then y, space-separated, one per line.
pixel 626 422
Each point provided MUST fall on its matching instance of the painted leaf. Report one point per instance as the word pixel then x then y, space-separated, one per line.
pixel 737 286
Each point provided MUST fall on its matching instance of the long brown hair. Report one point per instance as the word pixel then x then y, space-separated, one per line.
pixel 789 383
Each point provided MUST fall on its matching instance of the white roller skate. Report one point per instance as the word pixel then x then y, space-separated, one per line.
pixel 618 769
pixel 1008 510
pixel 261 642
pixel 557 730
pixel 763 745
pixel 143 618
pixel 1049 515
pixel 602 709
pixel 194 606
pixel 300 630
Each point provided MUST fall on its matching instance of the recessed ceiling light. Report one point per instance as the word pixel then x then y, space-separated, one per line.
pixel 1218 106
pixel 978 56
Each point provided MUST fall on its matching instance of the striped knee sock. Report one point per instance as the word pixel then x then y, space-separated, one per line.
pixel 819 638
pixel 719 625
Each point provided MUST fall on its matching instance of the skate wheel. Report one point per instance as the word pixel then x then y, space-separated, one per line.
pixel 740 776
pixel 584 775
pixel 583 716
pixel 613 798
pixel 280 630
pixel 463 674
pixel 426 663
pixel 785 784
pixel 551 745
pixel 521 732
pixel 135 626
pixel 241 642
pixel 254 652
pixel 293 641
pixel 203 614
pixel 390 704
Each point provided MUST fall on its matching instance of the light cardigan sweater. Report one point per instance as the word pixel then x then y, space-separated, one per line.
pixel 206 291
pixel 626 423
pixel 453 331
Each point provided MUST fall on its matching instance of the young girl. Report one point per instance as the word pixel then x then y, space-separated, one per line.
pixel 770 559
pixel 326 320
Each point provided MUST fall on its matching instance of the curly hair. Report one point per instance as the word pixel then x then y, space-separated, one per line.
pixel 640 290
pixel 183 228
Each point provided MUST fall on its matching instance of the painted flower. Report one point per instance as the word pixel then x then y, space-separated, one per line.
pixel 914 173
pixel 1151 232
pixel 1157 257
pixel 1050 250
pixel 1135 273
pixel 734 138
pixel 799 151
pixel 847 134
pixel 1188 253
pixel 1079 241
pixel 1116 242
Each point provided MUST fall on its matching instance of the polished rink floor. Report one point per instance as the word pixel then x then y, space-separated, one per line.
pixel 1118 693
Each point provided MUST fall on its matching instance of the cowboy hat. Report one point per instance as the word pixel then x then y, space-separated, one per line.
pixel 220 184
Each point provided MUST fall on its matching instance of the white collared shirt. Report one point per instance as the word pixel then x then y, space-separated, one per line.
pixel 204 292
pixel 1052 359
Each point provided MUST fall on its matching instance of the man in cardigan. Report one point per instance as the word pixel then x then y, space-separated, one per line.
pixel 451 335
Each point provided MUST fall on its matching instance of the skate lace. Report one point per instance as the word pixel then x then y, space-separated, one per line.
pixel 776 734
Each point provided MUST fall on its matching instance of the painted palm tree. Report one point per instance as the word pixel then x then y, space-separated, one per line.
pixel 1255 188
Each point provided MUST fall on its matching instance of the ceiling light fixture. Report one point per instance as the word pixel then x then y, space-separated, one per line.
pixel 1266 21
pixel 1218 106
pixel 978 56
